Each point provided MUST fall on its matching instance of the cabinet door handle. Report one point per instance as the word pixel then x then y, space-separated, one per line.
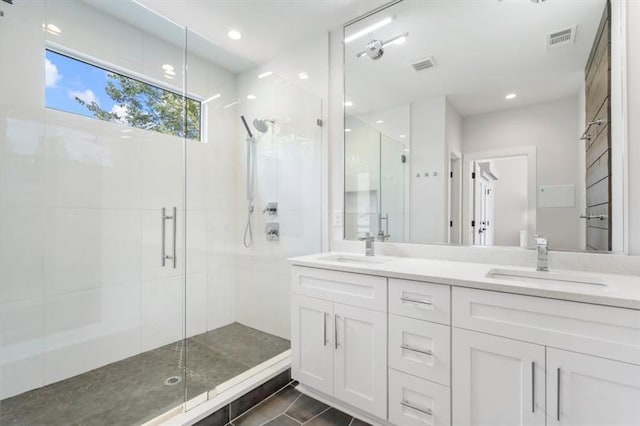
pixel 418 301
pixel 533 386
pixel 420 351
pixel 558 398
pixel 324 328
pixel 335 330
pixel 426 411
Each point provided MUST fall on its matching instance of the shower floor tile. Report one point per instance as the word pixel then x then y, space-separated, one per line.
pixel 132 391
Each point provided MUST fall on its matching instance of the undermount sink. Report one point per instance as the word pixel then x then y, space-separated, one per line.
pixel 341 258
pixel 544 276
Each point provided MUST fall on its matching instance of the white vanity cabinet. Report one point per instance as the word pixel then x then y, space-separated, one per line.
pixel 497 381
pixel 339 336
pixel 547 344
pixel 586 390
pixel 409 352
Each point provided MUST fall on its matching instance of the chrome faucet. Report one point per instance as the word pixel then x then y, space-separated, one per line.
pixel 543 253
pixel 368 244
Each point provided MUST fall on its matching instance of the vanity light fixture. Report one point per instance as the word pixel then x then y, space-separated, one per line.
pixel 375 48
pixel 368 30
pixel 234 35
pixel 510 96
pixel 265 74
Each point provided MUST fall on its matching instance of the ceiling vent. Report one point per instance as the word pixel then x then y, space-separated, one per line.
pixel 561 38
pixel 424 64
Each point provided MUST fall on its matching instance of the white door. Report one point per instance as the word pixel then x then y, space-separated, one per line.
pixel 592 390
pixel 360 361
pixel 497 381
pixel 312 342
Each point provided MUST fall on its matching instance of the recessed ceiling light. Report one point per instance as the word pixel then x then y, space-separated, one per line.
pixel 379 121
pixel 368 30
pixel 402 136
pixel 265 74
pixel 348 104
pixel 251 97
pixel 53 29
pixel 510 96
pixel 234 35
pixel 347 130
pixel 167 67
pixel 303 76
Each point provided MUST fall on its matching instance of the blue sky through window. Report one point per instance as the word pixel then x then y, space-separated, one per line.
pixel 67 78
pixel 74 86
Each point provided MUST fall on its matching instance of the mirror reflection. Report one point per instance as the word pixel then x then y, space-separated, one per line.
pixel 481 123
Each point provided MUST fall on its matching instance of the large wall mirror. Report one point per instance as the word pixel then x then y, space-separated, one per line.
pixel 481 122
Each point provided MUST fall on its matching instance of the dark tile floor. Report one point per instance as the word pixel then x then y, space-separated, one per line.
pixel 289 407
pixel 132 391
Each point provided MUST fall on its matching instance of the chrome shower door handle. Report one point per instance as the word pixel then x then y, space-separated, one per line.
pixel 163 232
pixel 175 232
pixel 163 248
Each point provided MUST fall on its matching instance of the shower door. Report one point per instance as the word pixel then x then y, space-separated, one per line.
pixel 92 261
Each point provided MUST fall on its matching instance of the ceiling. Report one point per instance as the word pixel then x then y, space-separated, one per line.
pixel 268 27
pixel 483 51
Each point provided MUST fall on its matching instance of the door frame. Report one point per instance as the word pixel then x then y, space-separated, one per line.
pixel 467 188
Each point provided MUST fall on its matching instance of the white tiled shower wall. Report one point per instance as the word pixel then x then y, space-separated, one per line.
pixel 80 278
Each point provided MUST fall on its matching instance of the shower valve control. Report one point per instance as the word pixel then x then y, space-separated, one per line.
pixel 271 208
pixel 272 231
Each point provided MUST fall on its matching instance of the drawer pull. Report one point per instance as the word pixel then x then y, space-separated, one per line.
pixel 420 351
pixel 418 301
pixel 426 411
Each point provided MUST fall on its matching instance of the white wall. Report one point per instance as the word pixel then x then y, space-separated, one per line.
pixel 551 127
pixel 80 278
pixel 510 198
pixel 428 153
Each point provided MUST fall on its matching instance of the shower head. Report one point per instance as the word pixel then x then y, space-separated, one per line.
pixel 246 126
pixel 262 125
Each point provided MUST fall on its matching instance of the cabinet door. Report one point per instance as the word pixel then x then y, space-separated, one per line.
pixel 312 342
pixel 497 381
pixel 586 390
pixel 360 361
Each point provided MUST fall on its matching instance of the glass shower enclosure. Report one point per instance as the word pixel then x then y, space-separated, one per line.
pixel 375 183
pixel 125 291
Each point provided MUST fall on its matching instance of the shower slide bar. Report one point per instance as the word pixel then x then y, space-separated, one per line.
pixel 163 252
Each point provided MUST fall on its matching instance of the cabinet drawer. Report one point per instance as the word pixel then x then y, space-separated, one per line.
pixel 602 331
pixel 420 348
pixel 367 291
pixel 425 301
pixel 414 401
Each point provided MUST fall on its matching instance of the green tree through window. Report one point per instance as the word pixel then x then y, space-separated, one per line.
pixel 130 101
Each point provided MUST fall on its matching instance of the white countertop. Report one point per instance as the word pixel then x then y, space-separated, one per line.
pixel 621 290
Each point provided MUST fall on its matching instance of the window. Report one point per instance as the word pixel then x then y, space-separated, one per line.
pixel 78 87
